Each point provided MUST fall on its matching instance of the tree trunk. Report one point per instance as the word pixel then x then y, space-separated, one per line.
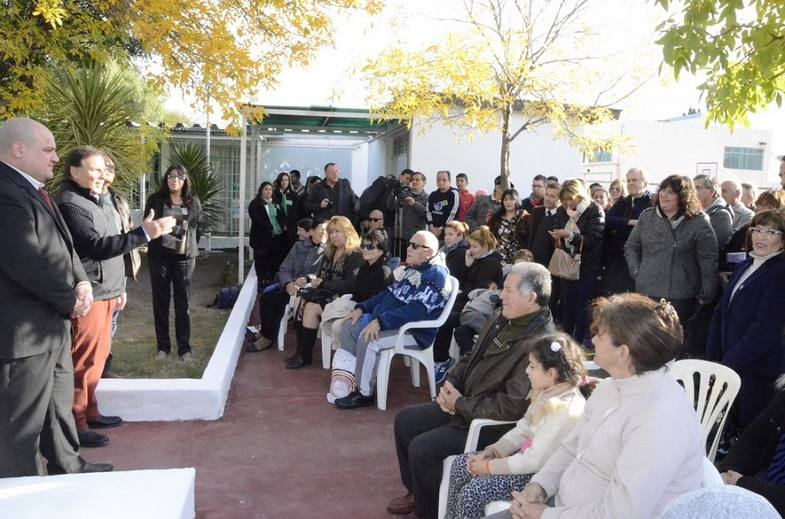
pixel 504 166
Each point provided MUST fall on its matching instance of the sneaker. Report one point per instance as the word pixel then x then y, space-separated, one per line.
pixel 162 355
pixel 441 369
pixel 188 357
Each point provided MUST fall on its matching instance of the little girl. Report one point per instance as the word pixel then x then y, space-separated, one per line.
pixel 556 371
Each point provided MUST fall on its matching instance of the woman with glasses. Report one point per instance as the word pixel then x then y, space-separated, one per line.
pixel 373 277
pixel 617 190
pixel 172 259
pixel 342 261
pixel 746 331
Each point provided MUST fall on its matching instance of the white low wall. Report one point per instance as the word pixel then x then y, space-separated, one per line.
pixel 133 494
pixel 141 400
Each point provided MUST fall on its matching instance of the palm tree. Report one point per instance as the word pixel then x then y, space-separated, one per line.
pixel 96 106
pixel 204 183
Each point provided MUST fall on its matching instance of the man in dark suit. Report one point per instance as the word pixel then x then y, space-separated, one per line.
pixel 42 283
pixel 545 218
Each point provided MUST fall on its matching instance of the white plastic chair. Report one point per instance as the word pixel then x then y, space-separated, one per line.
pixel 283 328
pixel 472 439
pixel 712 395
pixel 402 340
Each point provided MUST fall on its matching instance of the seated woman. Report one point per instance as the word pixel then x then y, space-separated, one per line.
pixel 555 370
pixel 757 459
pixel 455 246
pixel 639 443
pixel 342 261
pixel 483 270
pixel 746 330
pixel 373 277
pixel 419 293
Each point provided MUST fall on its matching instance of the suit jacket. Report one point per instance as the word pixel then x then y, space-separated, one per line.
pixel 261 235
pixel 39 269
pixel 541 244
pixel 746 332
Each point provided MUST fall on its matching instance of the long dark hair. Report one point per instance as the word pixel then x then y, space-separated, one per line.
pixel 689 205
pixel 277 183
pixel 496 219
pixel 262 186
pixel 185 194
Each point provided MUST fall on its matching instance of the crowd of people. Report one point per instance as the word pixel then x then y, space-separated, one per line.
pixel 693 268
pixel 650 278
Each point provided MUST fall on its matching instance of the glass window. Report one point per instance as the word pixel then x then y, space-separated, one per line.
pixel 743 158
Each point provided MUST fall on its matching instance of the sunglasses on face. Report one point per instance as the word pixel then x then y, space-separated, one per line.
pixel 416 246
pixel 375 219
pixel 368 246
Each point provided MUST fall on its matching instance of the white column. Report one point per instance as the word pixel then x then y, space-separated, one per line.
pixel 241 220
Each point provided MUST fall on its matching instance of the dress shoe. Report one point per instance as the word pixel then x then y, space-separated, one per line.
pixel 105 422
pixel 90 438
pixel 401 505
pixel 355 400
pixel 261 344
pixel 297 362
pixel 89 468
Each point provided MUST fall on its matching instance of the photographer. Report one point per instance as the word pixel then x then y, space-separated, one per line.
pixel 333 196
pixel 382 194
pixel 410 210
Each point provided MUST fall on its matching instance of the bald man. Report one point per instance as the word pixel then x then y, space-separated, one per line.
pixel 43 284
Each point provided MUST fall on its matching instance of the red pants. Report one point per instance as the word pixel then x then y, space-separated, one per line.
pixel 90 344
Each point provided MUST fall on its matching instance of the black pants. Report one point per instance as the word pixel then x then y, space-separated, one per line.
pixel 166 273
pixel 441 345
pixel 272 307
pixel 575 299
pixel 424 436
pixel 36 404
pixel 464 337
pixel 267 260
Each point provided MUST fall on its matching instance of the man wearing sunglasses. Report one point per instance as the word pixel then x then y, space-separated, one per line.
pixel 419 293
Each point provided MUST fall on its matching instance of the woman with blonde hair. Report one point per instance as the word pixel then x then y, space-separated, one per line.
pixel 583 234
pixel 342 261
pixel 455 247
pixel 483 270
pixel 617 190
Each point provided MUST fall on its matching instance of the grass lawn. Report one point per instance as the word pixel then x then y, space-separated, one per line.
pixel 134 346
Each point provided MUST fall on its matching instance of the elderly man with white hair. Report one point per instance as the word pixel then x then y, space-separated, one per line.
pixel 731 193
pixel 490 382
pixel 419 293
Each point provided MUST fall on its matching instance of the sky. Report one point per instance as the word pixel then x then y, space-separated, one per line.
pixel 626 31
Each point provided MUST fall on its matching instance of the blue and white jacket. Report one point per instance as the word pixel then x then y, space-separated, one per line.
pixel 417 294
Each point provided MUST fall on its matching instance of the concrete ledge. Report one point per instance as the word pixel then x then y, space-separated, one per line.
pixel 140 400
pixel 134 494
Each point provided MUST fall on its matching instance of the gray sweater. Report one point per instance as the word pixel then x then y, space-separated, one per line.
pixel 304 258
pixel 674 263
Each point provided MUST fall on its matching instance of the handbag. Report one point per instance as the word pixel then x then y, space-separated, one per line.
pixel 564 264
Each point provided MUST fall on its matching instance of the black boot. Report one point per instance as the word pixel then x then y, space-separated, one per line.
pixel 298 327
pixel 305 341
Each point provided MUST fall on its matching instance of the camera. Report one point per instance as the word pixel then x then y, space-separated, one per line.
pixel 394 186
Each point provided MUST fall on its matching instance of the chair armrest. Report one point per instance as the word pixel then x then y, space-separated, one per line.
pixel 473 438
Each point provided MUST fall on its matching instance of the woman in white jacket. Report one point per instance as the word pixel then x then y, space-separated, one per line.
pixel 638 444
pixel 555 369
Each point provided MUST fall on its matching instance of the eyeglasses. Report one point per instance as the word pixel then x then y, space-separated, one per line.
pixel 368 246
pixel 375 219
pixel 767 232
pixel 416 246
pixel 175 176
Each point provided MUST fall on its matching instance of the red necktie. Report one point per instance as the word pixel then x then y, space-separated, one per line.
pixel 47 199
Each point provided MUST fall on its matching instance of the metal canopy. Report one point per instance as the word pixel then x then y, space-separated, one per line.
pixel 320 120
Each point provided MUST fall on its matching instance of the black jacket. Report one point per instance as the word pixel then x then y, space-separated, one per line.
pixel 541 244
pixel 480 274
pixel 39 269
pixel 617 228
pixel 753 452
pixel 342 198
pixel 155 249
pixel 591 225
pixel 371 279
pixel 261 234
pixel 456 259
pixel 340 279
pixel 100 250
